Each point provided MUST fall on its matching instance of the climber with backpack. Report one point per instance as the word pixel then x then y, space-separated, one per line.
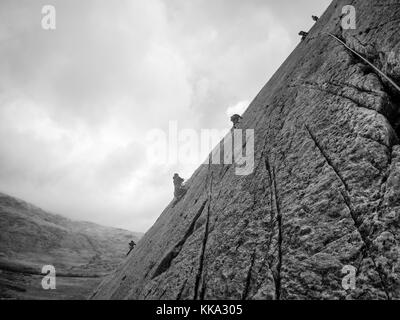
pixel 132 245
pixel 303 35
pixel 179 189
pixel 235 120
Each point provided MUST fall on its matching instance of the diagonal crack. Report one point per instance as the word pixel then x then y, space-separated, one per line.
pixel 328 159
pixel 178 297
pixel 272 215
pixel 279 218
pixel 162 294
pixel 384 180
pixel 248 278
pixel 357 223
pixel 367 243
pixel 274 199
pixel 171 255
pixel 197 294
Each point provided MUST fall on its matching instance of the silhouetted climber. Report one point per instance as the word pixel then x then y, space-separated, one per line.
pixel 315 18
pixel 236 119
pixel 132 245
pixel 179 189
pixel 303 35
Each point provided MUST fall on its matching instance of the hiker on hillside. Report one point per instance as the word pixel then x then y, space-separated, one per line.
pixel 315 18
pixel 236 119
pixel 179 189
pixel 303 35
pixel 132 245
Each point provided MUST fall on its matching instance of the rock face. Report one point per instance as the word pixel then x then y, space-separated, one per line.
pixel 324 194
pixel 81 252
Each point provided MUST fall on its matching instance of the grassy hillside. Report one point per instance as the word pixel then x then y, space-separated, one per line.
pixel 82 252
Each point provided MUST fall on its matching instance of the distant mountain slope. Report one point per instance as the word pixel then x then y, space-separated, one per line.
pixel 82 252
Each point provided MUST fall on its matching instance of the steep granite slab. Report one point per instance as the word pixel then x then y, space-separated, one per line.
pixel 324 193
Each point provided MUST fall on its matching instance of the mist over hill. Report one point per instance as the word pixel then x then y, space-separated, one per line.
pixel 81 252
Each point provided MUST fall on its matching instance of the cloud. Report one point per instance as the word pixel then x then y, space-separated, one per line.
pixel 76 103
pixel 238 108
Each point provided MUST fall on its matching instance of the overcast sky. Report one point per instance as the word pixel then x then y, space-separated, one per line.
pixel 77 102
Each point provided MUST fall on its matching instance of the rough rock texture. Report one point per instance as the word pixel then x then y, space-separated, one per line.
pixel 324 192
